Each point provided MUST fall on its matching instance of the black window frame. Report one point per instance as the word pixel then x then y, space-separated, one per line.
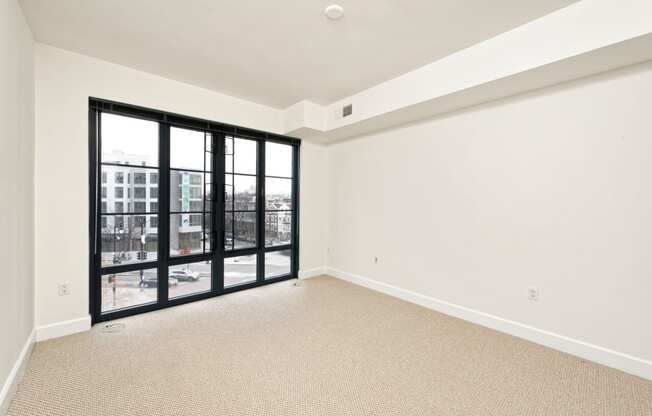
pixel 218 254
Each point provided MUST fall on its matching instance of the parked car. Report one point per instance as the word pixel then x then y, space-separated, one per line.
pixel 184 275
pixel 150 280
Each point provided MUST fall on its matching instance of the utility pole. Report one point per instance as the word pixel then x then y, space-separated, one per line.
pixel 143 254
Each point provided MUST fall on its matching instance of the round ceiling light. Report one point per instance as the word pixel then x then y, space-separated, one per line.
pixel 334 12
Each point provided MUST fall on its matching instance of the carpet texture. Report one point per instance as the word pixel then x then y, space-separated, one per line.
pixel 324 348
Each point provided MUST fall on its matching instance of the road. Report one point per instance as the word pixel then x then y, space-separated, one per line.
pixel 126 291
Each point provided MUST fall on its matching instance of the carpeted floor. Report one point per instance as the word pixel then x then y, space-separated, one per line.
pixel 324 348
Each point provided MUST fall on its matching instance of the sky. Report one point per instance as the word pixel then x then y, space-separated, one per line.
pixel 138 137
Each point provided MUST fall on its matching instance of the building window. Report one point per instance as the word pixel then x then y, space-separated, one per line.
pixel 153 206
pixel 195 220
pixel 104 192
pixel 195 179
pixel 153 192
pixel 119 192
pixel 140 206
pixel 153 222
pixel 119 177
pixel 119 207
pixel 153 178
pixel 195 192
pixel 103 177
pixel 140 178
pixel 139 192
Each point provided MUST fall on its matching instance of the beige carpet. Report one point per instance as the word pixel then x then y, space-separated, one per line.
pixel 325 348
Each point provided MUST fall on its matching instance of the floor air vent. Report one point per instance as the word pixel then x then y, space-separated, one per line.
pixel 113 327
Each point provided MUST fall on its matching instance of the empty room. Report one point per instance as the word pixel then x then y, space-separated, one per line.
pixel 361 207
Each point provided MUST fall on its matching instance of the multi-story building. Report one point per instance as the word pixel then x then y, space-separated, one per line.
pixel 278 222
pixel 132 190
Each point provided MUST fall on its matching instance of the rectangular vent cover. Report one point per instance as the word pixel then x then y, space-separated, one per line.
pixel 347 110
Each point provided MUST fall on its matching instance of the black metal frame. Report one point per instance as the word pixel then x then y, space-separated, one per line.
pixel 219 132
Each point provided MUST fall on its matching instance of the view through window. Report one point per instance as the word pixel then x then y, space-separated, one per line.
pixel 173 221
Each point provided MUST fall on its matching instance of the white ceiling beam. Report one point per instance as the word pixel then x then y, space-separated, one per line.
pixel 586 38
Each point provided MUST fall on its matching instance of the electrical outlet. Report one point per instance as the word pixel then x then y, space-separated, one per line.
pixel 533 294
pixel 64 289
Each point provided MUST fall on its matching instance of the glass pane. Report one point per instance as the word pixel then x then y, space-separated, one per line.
pixel 127 239
pixel 244 188
pixel 239 270
pixel 244 156
pixel 186 234
pixel 278 194
pixel 228 230
pixel 186 191
pixel 278 228
pixel 228 192
pixel 187 149
pixel 125 290
pixel 244 230
pixel 189 279
pixel 228 154
pixel 207 233
pixel 120 195
pixel 277 263
pixel 209 152
pixel 239 230
pixel 278 160
pixel 208 197
pixel 129 140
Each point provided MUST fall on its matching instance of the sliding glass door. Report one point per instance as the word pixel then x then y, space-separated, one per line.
pixel 182 209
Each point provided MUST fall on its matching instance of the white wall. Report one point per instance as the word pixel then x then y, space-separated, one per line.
pixel 313 208
pixel 64 81
pixel 16 188
pixel 551 190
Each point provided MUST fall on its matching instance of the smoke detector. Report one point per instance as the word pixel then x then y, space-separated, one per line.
pixel 334 11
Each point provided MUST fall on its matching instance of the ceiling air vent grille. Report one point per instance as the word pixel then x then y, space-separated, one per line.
pixel 347 110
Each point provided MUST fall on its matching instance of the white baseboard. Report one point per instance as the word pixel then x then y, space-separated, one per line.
pixel 307 274
pixel 624 362
pixel 61 329
pixel 10 384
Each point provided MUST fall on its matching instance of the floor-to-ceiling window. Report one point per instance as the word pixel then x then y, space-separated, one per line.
pixel 183 209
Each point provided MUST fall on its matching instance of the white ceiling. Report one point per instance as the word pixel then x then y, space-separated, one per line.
pixel 276 52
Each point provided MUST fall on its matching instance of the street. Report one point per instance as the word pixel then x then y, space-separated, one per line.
pixel 126 290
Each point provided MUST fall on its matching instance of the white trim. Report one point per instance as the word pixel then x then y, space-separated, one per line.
pixel 624 362
pixel 307 274
pixel 10 384
pixel 61 329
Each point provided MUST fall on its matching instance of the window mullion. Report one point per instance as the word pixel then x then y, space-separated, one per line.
pixel 164 212
pixel 260 214
pixel 295 211
pixel 217 210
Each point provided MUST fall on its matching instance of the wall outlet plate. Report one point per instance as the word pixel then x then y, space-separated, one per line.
pixel 533 294
pixel 64 289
